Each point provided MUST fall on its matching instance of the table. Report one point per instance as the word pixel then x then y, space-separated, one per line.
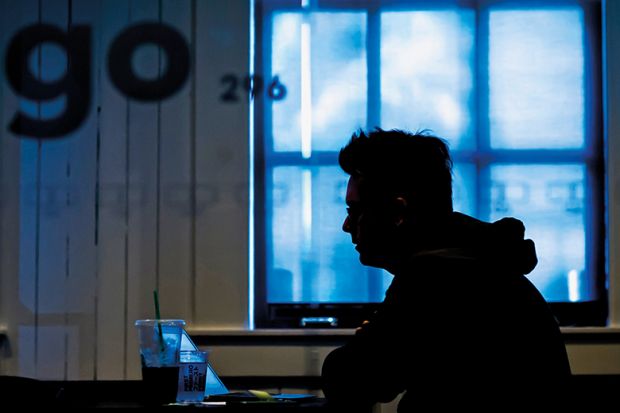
pixel 115 394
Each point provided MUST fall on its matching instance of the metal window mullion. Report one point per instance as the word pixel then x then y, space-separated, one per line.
pixel 482 116
pixel 528 156
pixel 373 67
pixel 373 111
pixel 318 158
pixel 308 266
pixel 263 150
pixel 594 165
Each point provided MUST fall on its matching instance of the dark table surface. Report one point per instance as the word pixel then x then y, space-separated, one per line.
pixel 114 394
pixel 21 392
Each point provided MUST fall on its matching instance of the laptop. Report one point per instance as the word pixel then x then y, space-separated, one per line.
pixel 213 385
pixel 215 389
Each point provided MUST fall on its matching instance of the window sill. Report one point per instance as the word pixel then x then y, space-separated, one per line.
pixel 591 330
pixel 211 336
pixel 270 332
pixel 591 335
pixel 289 336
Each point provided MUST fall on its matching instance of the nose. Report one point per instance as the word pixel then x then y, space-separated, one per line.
pixel 346 227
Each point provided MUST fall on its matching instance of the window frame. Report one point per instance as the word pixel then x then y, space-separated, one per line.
pixel 592 313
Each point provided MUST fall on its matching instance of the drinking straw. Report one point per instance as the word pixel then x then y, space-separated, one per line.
pixel 158 317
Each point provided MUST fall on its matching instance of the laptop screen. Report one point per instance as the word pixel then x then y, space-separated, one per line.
pixel 214 384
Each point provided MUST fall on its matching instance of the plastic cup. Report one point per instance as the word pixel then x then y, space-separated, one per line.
pixel 192 376
pixel 160 344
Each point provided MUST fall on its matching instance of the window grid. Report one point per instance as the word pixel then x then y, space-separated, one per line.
pixel 482 158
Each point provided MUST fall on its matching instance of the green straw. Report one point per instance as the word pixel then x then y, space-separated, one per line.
pixel 158 317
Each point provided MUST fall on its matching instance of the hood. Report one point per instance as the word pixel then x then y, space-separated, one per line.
pixel 501 243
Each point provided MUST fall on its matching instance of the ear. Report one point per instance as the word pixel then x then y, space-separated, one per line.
pixel 400 210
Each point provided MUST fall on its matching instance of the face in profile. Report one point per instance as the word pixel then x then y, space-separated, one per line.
pixel 372 228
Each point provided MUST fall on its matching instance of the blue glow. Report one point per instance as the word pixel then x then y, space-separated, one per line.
pixel 536 78
pixel 464 188
pixel 306 92
pixel 426 73
pixel 251 179
pixel 549 200
pixel 306 208
pixel 330 269
pixel 428 63
pixel 337 73
pixel 573 286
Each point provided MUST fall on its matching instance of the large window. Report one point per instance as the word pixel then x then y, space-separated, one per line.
pixel 513 87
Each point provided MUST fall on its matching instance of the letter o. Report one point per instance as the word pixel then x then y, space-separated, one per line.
pixel 124 46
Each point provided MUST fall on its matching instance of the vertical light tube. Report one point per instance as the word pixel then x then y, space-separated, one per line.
pixel 306 199
pixel 306 227
pixel 251 250
pixel 573 286
pixel 306 91
pixel 306 143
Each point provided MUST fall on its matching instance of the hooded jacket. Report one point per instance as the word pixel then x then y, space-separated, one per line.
pixel 459 322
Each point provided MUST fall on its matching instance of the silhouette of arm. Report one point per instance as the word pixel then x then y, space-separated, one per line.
pixel 371 367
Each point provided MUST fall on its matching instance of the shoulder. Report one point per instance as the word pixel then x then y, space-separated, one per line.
pixel 454 274
pixel 429 278
pixel 443 257
pixel 451 264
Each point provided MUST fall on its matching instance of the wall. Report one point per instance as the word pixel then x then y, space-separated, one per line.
pixel 154 194
pixel 143 195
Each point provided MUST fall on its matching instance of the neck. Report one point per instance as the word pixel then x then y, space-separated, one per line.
pixel 421 235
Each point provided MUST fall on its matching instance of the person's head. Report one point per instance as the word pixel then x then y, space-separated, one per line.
pixel 400 186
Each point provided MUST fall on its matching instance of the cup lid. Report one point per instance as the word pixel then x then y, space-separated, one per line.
pixel 163 321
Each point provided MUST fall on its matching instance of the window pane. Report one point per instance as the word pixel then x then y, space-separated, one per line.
pixel 286 64
pixel 426 73
pixel 536 78
pixel 334 70
pixel 464 188
pixel 549 199
pixel 428 59
pixel 311 258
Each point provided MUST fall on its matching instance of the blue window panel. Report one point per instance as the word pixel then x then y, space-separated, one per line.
pixel 464 188
pixel 335 68
pixel 536 78
pixel 426 73
pixel 386 280
pixel 549 199
pixel 286 64
pixel 536 101
pixel 286 234
pixel 311 258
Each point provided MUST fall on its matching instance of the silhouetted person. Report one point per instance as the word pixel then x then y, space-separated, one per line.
pixel 460 323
